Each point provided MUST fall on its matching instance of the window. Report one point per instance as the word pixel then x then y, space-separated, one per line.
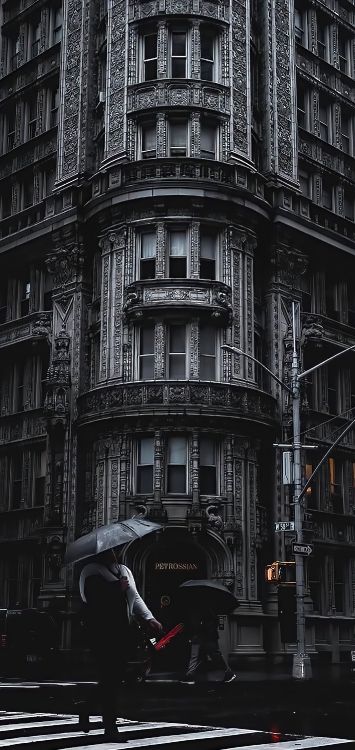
pixel 3 301
pixel 177 459
pixel 327 194
pixel 32 117
pixel 148 252
pixel 207 353
pixel 304 179
pixel 57 25
pixel 146 353
pixel 39 478
pixel 343 48
pixel 178 43
pixel 178 137
pixel 339 583
pixel 208 52
pixel 145 465
pixel 16 480
pixel 324 119
pixel 331 297
pixel 28 193
pixel 349 204
pixel 177 254
pixel 208 252
pixel 11 119
pixel 36 39
pixel 25 298
pixel 54 102
pixel 299 26
pixel 149 141
pixel 208 468
pixel 345 130
pixel 48 182
pixel 177 352
pixel 14 53
pixel 301 105
pixel 322 35
pixel 150 61
pixel 208 140
pixel 20 387
pixel 332 394
pixel 314 576
pixel 335 486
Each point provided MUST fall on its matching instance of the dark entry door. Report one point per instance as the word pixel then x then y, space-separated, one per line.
pixel 170 564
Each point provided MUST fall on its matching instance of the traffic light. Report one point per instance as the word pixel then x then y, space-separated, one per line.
pixel 287 613
pixel 281 572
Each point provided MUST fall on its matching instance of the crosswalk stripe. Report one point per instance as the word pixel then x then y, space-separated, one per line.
pixel 60 732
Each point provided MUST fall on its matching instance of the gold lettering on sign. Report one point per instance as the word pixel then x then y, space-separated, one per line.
pixel 175 566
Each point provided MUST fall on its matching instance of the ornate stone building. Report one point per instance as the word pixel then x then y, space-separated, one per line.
pixel 174 173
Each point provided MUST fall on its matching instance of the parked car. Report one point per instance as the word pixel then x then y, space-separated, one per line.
pixel 28 641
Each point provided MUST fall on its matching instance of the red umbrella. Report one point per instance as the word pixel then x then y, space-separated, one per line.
pixel 168 636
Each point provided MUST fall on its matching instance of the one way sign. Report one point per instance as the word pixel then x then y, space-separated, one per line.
pixel 302 549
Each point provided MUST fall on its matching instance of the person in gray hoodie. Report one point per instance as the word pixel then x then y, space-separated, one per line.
pixel 111 600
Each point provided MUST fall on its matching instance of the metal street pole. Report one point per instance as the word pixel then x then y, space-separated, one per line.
pixel 301 668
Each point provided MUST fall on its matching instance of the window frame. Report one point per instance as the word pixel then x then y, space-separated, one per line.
pixel 172 57
pixel 170 257
pixel 138 465
pixel 146 61
pixel 214 60
pixel 149 356
pixel 150 260
pixel 147 153
pixel 203 468
pixel 206 357
pixel 169 490
pixel 213 125
pixel 173 357
pixel 178 151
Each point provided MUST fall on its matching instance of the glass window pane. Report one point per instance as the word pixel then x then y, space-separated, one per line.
pixel 144 479
pixel 178 43
pixel 146 450
pixel 177 339
pixel 148 245
pixel 177 479
pixel 207 44
pixel 147 340
pixel 208 246
pixel 147 368
pixel 177 367
pixel 178 134
pixel 149 138
pixel 177 245
pixel 177 450
pixel 150 46
pixel 208 482
pixel 207 340
pixel 207 452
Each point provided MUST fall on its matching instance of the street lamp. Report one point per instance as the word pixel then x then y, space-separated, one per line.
pixel 301 668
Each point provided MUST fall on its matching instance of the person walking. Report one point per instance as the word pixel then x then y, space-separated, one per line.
pixel 205 654
pixel 110 597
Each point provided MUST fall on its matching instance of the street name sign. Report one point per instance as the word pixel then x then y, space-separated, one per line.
pixel 302 549
pixel 284 526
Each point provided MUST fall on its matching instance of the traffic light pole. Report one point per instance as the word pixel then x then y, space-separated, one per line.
pixel 301 668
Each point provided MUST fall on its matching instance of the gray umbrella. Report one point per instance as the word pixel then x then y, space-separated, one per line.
pixel 108 537
pixel 205 593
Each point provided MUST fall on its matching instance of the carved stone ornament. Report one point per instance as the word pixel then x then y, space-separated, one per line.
pixel 214 518
pixel 312 331
pixel 65 264
pixel 58 378
pixel 290 264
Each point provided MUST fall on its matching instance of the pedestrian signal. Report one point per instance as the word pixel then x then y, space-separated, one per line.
pixel 281 572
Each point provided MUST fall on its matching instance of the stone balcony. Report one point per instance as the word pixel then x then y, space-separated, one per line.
pixel 186 296
pixel 222 403
pixel 36 325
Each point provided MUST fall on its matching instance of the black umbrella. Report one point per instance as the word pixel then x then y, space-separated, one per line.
pixel 108 537
pixel 205 593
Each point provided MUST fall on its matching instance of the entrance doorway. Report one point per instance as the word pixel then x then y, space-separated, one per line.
pixel 172 561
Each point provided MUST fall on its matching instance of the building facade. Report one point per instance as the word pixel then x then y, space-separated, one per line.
pixel 174 174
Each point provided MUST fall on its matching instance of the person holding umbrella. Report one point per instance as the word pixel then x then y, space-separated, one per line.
pixel 110 598
pixel 203 599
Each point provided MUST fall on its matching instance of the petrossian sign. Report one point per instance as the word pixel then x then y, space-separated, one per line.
pixel 175 566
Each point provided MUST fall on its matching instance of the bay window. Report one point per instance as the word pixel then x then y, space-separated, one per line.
pixel 177 352
pixel 208 139
pixel 177 242
pixel 176 465
pixel 208 53
pixel 150 56
pixel 146 352
pixel 148 140
pixel 145 465
pixel 207 353
pixel 208 466
pixel 178 42
pixel 208 252
pixel 147 255
pixel 178 137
